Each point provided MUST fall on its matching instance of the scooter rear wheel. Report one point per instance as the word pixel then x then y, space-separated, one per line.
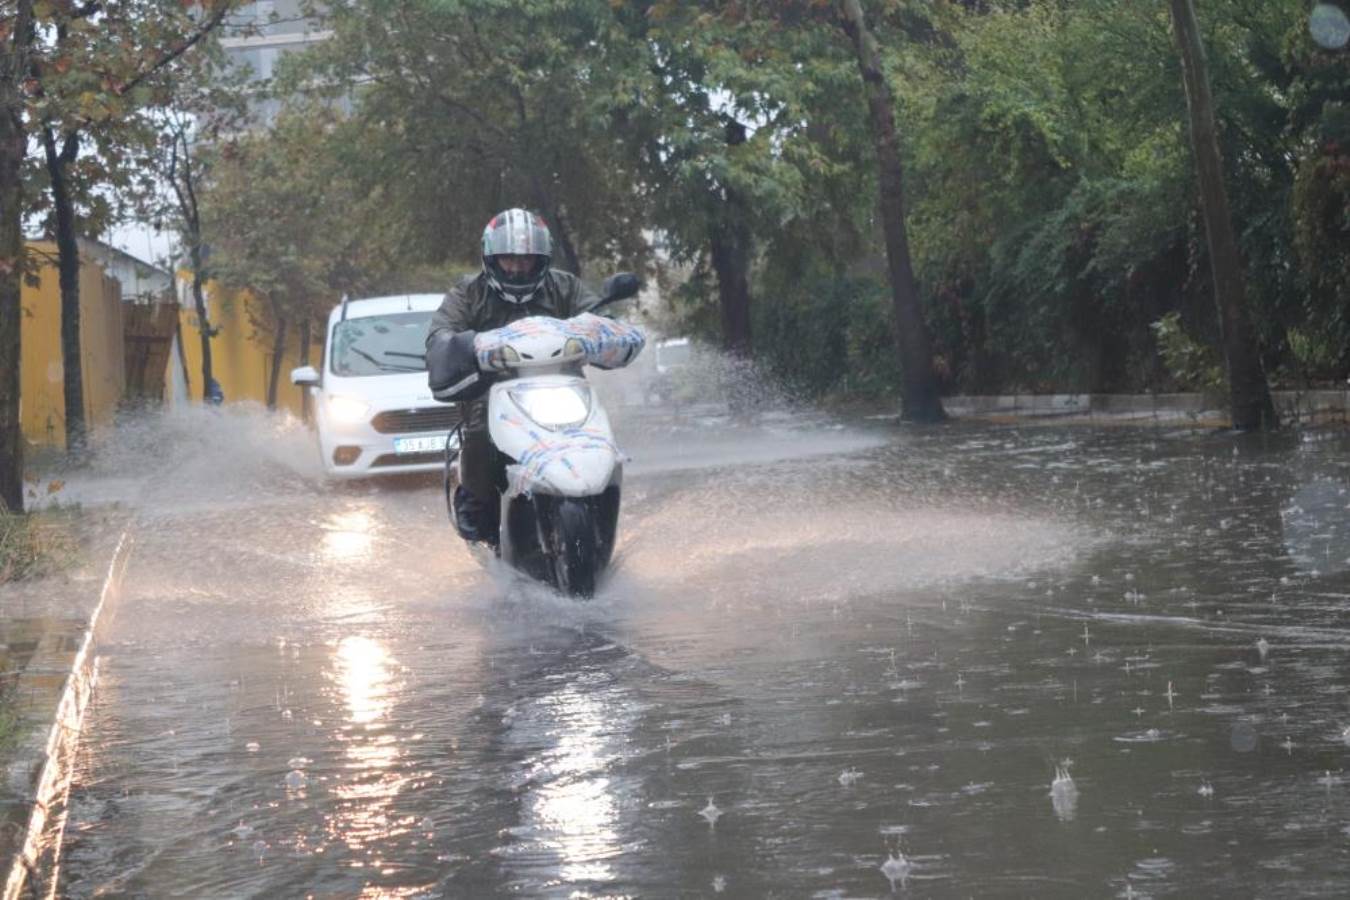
pixel 576 559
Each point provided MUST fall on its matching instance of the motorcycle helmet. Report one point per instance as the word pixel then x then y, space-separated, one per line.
pixel 516 232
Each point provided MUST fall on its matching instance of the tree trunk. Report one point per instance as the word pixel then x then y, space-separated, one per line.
pixel 13 144
pixel 182 354
pixel 278 349
pixel 183 182
pixel 570 259
pixel 68 268
pixel 1249 393
pixel 203 322
pixel 729 243
pixel 919 385
pixel 304 361
pixel 730 250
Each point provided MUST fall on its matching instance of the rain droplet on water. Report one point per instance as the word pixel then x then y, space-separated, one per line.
pixel 895 868
pixel 1329 26
pixel 1064 794
pixel 711 813
pixel 849 777
pixel 296 780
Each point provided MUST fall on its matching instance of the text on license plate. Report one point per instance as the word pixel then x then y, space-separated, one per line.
pixel 425 444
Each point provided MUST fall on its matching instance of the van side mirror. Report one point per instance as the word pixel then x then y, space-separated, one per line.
pixel 620 286
pixel 305 376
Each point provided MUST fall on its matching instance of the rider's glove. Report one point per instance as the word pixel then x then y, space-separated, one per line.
pixel 452 367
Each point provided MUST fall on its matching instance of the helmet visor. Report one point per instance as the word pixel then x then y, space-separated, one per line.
pixel 518 270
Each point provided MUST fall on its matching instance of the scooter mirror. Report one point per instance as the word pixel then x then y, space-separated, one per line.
pixel 620 286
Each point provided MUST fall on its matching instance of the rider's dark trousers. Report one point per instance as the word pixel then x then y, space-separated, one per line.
pixel 478 465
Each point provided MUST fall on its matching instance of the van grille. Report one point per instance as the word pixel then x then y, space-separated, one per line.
pixel 426 418
pixel 408 459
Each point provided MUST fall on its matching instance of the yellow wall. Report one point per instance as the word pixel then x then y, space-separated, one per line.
pixel 241 352
pixel 42 381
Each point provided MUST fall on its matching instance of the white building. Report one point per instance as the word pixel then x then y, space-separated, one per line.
pixel 258 34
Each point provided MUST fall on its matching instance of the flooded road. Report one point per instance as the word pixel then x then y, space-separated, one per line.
pixel 973 661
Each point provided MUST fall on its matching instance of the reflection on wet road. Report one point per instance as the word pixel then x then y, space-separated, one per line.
pixel 977 661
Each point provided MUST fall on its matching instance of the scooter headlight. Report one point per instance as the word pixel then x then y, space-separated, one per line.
pixel 347 410
pixel 555 406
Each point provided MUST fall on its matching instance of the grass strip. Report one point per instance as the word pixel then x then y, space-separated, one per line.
pixel 34 545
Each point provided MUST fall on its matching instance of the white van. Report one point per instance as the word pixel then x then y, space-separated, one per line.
pixel 372 407
pixel 673 358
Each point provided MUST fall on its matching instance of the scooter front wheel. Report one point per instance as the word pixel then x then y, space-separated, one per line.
pixel 576 557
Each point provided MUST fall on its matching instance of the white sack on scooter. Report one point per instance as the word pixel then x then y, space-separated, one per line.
pixel 609 344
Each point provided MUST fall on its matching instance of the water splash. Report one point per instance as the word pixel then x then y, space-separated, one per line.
pixel 1064 794
pixel 711 813
pixel 896 869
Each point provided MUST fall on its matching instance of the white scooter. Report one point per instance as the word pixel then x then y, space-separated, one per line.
pixel 560 509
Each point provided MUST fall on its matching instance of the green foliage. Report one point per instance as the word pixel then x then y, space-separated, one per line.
pixel 1194 366
pixel 1315 354
pixel 100 75
pixel 822 332
pixel 508 104
pixel 290 218
pixel 1050 189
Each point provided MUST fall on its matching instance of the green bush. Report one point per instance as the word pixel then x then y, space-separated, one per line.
pixel 826 334
pixel 1194 366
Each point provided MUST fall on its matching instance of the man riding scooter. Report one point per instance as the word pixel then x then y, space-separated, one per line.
pixel 516 281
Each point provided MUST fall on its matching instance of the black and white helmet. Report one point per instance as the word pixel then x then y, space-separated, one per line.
pixel 516 232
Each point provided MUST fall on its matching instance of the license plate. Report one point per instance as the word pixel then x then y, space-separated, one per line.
pixel 425 444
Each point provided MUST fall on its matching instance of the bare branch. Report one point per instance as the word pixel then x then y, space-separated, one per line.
pixel 209 25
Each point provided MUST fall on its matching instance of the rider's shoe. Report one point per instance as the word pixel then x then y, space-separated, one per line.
pixel 474 519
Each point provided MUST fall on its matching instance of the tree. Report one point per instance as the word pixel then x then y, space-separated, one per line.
pixel 291 223
pixel 1249 393
pixel 485 105
pixel 77 65
pixel 17 36
pixel 102 45
pixel 919 391
pixel 206 103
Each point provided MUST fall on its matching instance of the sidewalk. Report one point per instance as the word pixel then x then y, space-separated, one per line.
pixel 47 673
pixel 1293 407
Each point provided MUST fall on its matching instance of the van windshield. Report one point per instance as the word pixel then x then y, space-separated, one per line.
pixel 673 354
pixel 379 345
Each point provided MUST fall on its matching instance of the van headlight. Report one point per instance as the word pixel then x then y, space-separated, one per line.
pixel 348 410
pixel 554 406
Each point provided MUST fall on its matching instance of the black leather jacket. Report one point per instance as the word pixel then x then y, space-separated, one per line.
pixel 472 306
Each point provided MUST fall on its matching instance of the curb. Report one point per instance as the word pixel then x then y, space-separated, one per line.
pixel 35 865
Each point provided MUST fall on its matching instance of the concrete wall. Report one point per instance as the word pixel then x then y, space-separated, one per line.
pixel 241 351
pixel 42 378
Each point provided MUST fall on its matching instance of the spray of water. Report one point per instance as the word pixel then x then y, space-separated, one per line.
pixel 188 455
